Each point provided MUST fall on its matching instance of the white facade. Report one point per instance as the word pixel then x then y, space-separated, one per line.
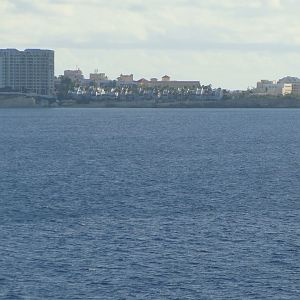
pixel 268 87
pixel 30 71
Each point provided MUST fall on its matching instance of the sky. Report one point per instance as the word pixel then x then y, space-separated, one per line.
pixel 227 43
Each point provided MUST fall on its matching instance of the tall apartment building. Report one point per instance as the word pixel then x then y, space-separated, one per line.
pixel 30 71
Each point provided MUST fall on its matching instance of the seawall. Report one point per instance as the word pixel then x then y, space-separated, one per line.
pixel 230 103
pixel 12 101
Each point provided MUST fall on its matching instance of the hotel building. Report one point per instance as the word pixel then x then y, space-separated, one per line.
pixel 30 71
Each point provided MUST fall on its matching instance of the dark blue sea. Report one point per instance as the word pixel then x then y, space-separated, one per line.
pixel 149 204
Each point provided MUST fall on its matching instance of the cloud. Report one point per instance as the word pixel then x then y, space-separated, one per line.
pixel 136 24
pixel 263 28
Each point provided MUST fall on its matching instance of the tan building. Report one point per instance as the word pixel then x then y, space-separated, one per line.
pixel 98 76
pixel 74 75
pixel 173 84
pixel 178 84
pixel 292 89
pixel 143 81
pixel 268 87
pixel 125 78
pixel 166 78
pixel 285 86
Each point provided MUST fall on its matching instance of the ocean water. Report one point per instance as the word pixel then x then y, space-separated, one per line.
pixel 149 204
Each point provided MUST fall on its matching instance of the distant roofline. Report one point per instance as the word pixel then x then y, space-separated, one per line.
pixel 36 49
pixel 26 50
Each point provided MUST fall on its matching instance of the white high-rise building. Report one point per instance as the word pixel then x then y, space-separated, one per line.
pixel 30 71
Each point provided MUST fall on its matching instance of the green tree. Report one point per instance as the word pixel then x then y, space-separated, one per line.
pixel 63 87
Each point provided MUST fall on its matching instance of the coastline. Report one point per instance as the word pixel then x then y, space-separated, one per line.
pixel 228 103
pixel 30 102
pixel 17 101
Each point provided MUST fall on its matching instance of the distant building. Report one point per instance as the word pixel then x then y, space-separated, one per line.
pixel 263 84
pixel 268 87
pixel 289 85
pixel 125 81
pixel 76 76
pixel 30 71
pixel 167 83
pixel 166 78
pixel 292 89
pixel 143 81
pixel 287 89
pixel 98 76
pixel 126 78
pixel 288 79
pixel 284 86
pixel 178 84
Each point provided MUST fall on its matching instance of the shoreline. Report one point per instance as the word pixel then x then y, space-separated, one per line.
pixel 229 103
pixel 25 102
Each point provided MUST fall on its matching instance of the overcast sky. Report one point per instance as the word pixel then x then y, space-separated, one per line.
pixel 229 43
